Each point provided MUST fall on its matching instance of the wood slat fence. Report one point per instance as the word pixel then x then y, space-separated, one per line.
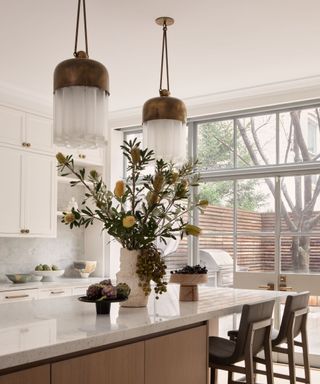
pixel 254 253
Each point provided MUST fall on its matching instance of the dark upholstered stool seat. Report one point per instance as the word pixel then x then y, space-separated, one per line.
pixel 222 350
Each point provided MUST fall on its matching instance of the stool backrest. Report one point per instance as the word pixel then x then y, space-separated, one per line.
pixel 254 314
pixel 295 304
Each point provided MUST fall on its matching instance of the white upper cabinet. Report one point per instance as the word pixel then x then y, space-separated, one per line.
pixel 25 130
pixel 28 170
pixel 11 126
pixel 10 192
pixel 39 133
pixel 28 194
pixel 39 194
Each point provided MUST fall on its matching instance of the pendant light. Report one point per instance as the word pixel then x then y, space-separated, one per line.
pixel 81 90
pixel 164 117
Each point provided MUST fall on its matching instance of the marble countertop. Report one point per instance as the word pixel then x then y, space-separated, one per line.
pixel 40 329
pixel 59 282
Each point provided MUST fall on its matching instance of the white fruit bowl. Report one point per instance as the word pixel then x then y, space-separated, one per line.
pixel 49 275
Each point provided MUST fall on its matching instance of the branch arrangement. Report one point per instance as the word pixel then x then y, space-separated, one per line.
pixel 141 209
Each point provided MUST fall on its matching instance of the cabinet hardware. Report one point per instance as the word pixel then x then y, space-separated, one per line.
pixel 28 145
pixel 268 287
pixel 16 296
pixel 27 230
pixel 24 144
pixel 56 292
pixel 83 156
pixel 22 231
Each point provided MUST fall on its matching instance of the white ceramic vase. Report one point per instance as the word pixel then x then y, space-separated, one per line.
pixel 128 275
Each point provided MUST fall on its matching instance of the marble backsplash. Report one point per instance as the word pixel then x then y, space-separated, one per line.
pixel 19 255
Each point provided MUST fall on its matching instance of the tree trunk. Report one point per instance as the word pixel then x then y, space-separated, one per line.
pixel 300 248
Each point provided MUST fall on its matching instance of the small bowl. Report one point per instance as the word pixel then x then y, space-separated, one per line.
pixel 19 278
pixel 85 267
pixel 48 276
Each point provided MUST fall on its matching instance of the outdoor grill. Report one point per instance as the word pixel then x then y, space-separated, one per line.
pixel 220 266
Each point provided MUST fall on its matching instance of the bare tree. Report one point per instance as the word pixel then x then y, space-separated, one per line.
pixel 297 213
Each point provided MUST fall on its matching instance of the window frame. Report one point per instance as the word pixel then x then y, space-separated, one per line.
pixel 276 170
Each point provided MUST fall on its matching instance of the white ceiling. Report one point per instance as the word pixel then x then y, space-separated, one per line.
pixel 214 45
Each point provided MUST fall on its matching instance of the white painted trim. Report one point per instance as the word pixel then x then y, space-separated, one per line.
pixel 283 92
pixel 25 100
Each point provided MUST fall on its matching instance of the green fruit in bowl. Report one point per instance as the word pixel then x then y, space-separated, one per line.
pixel 39 267
pixel 54 267
pixel 46 267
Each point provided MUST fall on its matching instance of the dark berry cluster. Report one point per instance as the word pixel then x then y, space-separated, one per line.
pixel 188 269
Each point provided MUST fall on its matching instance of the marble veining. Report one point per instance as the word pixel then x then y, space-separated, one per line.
pixel 21 255
pixel 66 325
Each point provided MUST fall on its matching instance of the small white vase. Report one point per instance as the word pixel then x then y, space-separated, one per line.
pixel 128 275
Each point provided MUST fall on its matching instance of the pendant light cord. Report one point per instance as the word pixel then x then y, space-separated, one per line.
pixel 75 54
pixel 164 54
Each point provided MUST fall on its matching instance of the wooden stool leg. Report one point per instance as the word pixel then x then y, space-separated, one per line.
pixel 268 361
pixel 291 361
pixel 213 376
pixel 305 352
pixel 230 377
pixel 254 371
pixel 249 369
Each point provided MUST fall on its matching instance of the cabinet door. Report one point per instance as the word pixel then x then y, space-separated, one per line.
pixel 84 156
pixel 10 191
pixel 19 295
pixel 54 293
pixel 11 126
pixel 39 191
pixel 91 156
pixel 37 375
pixel 122 365
pixel 39 133
pixel 177 358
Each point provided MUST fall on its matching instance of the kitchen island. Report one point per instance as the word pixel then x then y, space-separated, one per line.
pixel 63 341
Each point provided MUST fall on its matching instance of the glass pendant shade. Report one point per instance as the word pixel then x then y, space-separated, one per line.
pixel 80 117
pixel 164 118
pixel 81 90
pixel 168 139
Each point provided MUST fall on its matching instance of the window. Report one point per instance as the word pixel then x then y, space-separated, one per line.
pixel 260 174
pixel 134 133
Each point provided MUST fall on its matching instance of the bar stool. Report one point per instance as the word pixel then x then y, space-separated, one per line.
pixel 254 335
pixel 294 323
